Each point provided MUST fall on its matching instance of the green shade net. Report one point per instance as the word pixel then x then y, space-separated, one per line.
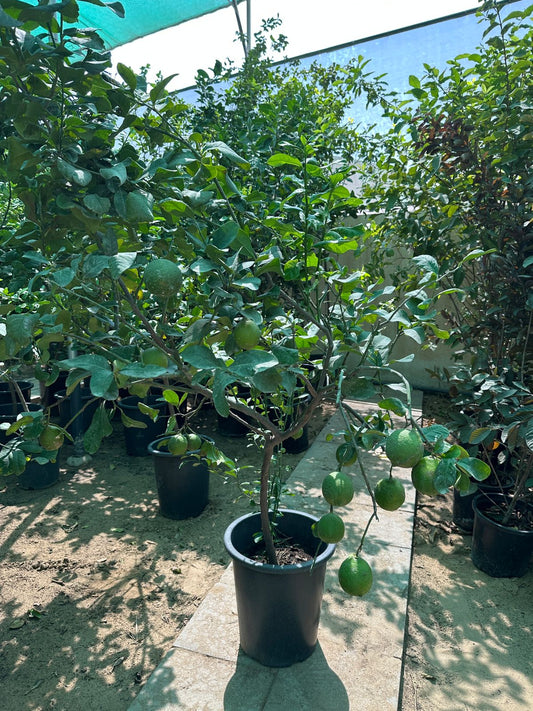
pixel 143 17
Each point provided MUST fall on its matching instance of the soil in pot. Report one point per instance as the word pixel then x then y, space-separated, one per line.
pixel 182 481
pixel 278 605
pixel 502 551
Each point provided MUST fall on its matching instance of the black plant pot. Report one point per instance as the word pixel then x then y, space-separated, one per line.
pixel 39 476
pixel 500 551
pixel 230 427
pixel 463 511
pixel 10 413
pixel 9 395
pixel 295 445
pixel 182 481
pixel 278 606
pixel 49 392
pixel 71 405
pixel 138 438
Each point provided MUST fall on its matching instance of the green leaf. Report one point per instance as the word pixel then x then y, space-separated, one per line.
pixel 172 397
pixel 119 263
pixel 220 383
pixel 427 263
pixel 200 357
pixel 480 435
pixel 94 265
pixel 474 467
pixel 130 422
pixel 99 428
pixel 248 363
pixel 434 433
pixel 102 384
pixel 158 89
pixel 393 404
pixel 417 334
pixel 63 277
pixel 225 235
pixel 358 388
pixel 445 475
pixel 279 159
pixel 228 153
pixel 139 370
pixel 268 381
pixel 97 203
pixel 286 356
pixel 151 412
pixel 116 174
pixel 139 207
pixel 77 175
pixel 128 75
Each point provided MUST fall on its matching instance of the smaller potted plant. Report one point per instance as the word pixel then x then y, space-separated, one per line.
pixel 497 416
pixel 29 448
pixel 182 464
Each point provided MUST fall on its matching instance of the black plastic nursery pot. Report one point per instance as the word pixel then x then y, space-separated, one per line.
pixel 8 393
pixel 500 551
pixel 182 481
pixel 137 439
pixel 463 511
pixel 38 476
pixel 10 413
pixel 278 606
pixel 72 404
pixel 295 445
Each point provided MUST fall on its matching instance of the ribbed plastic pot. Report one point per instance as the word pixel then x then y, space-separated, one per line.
pixel 38 476
pixel 499 551
pixel 463 511
pixel 137 439
pixel 8 394
pixel 278 606
pixel 182 481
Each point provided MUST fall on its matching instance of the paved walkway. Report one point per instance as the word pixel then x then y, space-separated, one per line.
pixel 358 660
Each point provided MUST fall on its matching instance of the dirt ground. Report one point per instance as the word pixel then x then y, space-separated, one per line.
pixel 95 585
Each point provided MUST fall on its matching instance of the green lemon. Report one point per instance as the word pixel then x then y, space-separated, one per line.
pixel 329 528
pixel 194 442
pixel 246 334
pixel 178 444
pixel 404 448
pixel 423 474
pixel 162 277
pixel 51 438
pixel 337 489
pixel 355 576
pixel 346 454
pixel 154 356
pixel 389 493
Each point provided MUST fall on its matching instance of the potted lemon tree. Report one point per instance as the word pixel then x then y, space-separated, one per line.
pixel 237 269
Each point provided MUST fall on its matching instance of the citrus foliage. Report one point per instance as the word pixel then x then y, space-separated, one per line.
pixel 204 245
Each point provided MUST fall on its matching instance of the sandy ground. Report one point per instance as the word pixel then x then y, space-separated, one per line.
pixel 96 585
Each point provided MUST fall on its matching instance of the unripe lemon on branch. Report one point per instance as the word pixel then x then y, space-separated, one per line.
pixel 162 277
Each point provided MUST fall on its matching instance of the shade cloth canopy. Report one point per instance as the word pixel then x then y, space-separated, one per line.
pixel 142 17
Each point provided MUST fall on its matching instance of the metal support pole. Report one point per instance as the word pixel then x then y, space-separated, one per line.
pixel 80 456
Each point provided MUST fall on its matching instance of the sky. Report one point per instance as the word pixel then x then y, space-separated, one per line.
pixel 199 43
